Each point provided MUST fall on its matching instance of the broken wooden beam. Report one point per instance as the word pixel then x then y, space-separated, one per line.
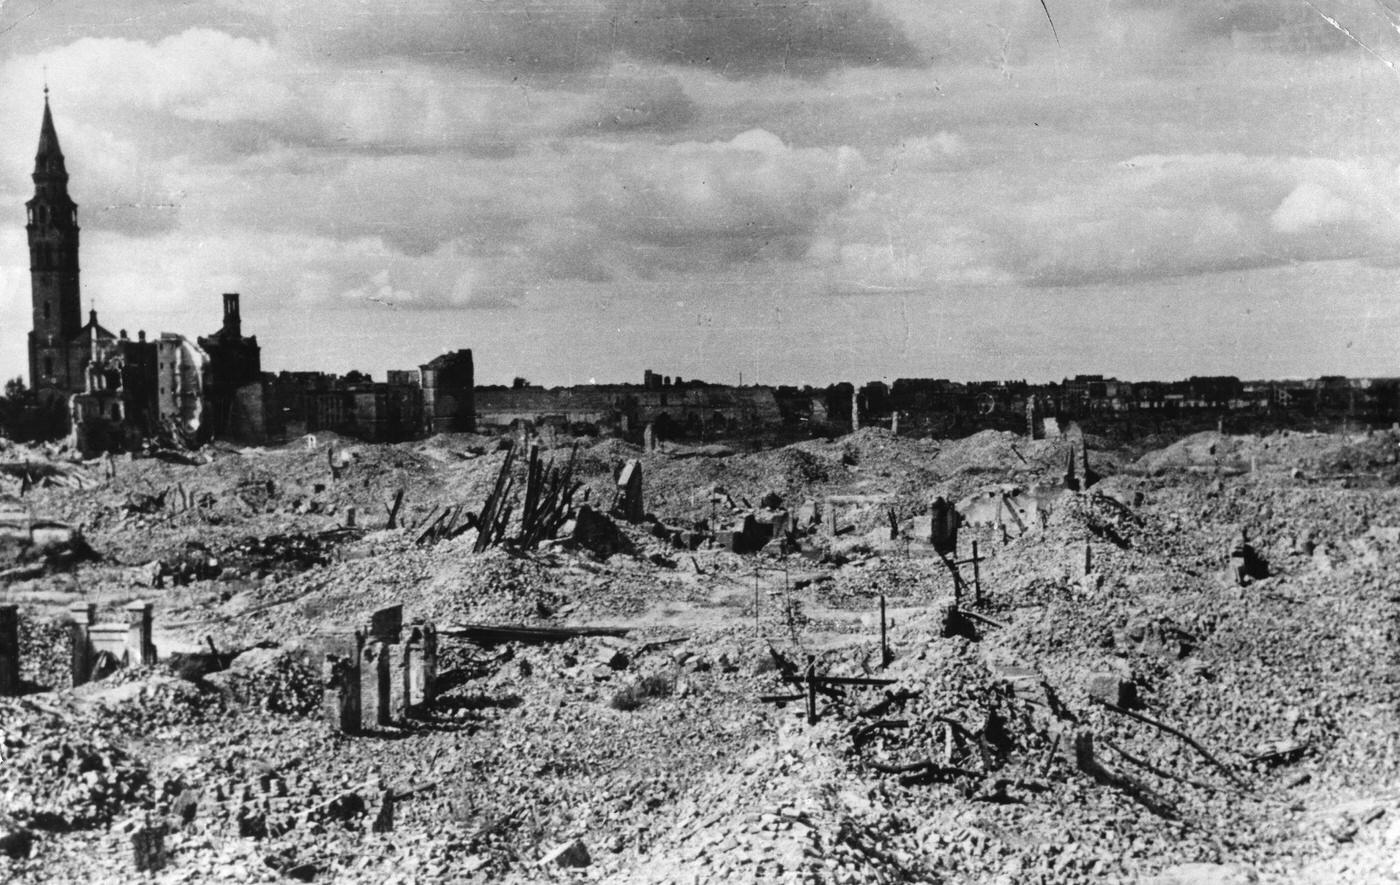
pixel 658 644
pixel 1144 795
pixel 865 732
pixel 780 698
pixel 980 617
pixel 1160 772
pixel 394 510
pixel 1184 737
pixel 855 680
pixel 491 634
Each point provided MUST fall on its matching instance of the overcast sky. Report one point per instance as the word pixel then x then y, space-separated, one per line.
pixel 800 190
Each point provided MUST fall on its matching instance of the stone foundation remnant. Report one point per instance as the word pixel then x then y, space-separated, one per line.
pixel 9 650
pixel 833 503
pixel 385 678
pixel 630 505
pixel 1087 477
pixel 1245 563
pixel 110 643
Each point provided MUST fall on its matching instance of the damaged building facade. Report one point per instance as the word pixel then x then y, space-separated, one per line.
pixel 117 391
pixel 675 408
pixel 113 392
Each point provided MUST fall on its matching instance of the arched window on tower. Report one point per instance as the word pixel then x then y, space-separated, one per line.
pixel 47 310
pixel 48 366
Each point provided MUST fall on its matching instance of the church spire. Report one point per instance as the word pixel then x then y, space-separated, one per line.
pixel 48 159
pixel 53 268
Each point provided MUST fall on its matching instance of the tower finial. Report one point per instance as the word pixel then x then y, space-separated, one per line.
pixel 46 84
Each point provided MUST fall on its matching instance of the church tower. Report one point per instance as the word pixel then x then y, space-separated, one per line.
pixel 55 363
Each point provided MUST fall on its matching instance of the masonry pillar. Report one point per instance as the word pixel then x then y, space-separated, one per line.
pixel 139 648
pixel 420 666
pixel 9 650
pixel 632 504
pixel 945 526
pixel 831 517
pixel 430 662
pixel 366 669
pixel 84 615
pixel 397 663
pixel 383 683
pixel 379 697
pixel 342 697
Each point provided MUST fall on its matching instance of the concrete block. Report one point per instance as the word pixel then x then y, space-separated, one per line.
pixel 1110 688
pixel 921 528
pixel 570 854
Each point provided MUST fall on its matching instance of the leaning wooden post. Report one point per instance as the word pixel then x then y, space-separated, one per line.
pixel 976 573
pixel 757 630
pixel 884 636
pixel 9 650
pixel 811 679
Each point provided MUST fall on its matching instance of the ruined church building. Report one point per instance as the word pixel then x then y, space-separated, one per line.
pixel 115 393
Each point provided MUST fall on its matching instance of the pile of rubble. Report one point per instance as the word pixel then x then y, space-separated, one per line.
pixel 61 770
pixel 1171 667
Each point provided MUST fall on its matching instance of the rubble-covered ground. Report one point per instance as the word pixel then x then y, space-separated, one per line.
pixel 1250 733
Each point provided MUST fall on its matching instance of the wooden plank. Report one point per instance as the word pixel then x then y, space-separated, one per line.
pixel 495 634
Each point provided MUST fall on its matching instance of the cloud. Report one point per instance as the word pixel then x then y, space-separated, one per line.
pixel 534 37
pixel 695 205
pixel 927 221
pixel 1157 216
pixel 1312 207
pixel 1281 27
pixel 110 100
pixel 630 99
pixel 32 25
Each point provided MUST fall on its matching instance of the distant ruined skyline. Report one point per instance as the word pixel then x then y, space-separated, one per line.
pixel 837 190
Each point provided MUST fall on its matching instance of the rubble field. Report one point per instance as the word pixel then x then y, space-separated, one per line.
pixel 1187 672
